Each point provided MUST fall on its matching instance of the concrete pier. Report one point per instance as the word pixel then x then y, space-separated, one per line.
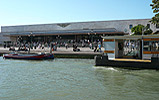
pixel 62 52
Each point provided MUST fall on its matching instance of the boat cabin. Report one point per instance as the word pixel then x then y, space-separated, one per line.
pixel 137 47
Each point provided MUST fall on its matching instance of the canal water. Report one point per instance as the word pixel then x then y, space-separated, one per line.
pixel 74 79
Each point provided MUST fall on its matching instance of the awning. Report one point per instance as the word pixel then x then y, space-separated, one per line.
pixel 134 37
pixel 67 32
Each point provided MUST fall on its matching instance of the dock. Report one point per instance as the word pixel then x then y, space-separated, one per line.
pixel 62 52
pixel 130 51
pixel 127 63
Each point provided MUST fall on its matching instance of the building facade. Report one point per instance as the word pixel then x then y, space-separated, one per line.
pixel 77 31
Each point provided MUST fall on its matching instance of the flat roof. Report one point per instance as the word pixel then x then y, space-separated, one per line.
pixel 78 22
pixel 68 32
pixel 131 37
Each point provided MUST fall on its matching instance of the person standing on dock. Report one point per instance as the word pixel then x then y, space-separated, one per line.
pixel 95 45
pixel 66 45
pixel 99 46
pixel 90 45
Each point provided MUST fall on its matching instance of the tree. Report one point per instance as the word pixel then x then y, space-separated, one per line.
pixel 155 7
pixel 137 30
pixel 147 31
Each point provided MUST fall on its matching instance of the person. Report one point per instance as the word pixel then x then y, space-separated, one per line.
pixel 83 44
pixel 34 45
pixel 95 45
pixel 4 45
pixel 75 48
pixel 66 45
pixel 99 46
pixel 42 46
pixel 11 49
pixel 133 46
pixel 153 46
pixel 51 47
pixel 156 46
pixel 55 46
pixel 39 46
pixel 31 45
pixel 46 44
pixel 90 46
pixel 150 46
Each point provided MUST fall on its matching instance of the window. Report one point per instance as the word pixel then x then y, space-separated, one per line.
pixel 157 25
pixel 130 26
pixel 148 25
pixel 151 45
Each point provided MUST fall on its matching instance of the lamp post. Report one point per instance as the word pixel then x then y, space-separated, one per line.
pixel 58 39
pixel 30 35
pixel 92 36
pixel 142 41
pixel 19 40
pixel 30 40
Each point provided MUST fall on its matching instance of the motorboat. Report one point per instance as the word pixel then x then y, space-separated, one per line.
pixel 41 56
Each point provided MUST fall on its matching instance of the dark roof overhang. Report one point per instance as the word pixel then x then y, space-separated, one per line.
pixel 109 31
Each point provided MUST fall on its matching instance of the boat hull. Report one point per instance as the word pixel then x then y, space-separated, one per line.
pixel 130 64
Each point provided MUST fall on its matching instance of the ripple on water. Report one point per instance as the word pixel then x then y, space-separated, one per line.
pixel 74 79
pixel 106 68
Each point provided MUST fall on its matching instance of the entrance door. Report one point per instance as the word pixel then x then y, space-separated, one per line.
pixel 120 49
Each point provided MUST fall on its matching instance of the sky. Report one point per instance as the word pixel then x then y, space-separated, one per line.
pixel 26 12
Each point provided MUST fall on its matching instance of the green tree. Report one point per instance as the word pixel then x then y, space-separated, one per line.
pixel 147 31
pixel 155 8
pixel 137 30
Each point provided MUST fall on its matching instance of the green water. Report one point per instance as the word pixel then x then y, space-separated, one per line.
pixel 74 79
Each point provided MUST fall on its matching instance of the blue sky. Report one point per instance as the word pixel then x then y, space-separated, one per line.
pixel 24 12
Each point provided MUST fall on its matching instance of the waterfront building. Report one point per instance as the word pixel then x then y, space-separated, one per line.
pixel 71 32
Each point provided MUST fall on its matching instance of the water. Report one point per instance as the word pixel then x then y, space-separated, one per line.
pixel 74 79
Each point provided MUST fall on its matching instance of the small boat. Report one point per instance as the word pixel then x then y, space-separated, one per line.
pixel 42 56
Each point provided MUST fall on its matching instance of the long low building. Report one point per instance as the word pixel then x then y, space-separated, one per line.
pixel 71 31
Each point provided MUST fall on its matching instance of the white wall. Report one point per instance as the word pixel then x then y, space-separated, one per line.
pixel 110 46
pixel 120 25
pixel 3 38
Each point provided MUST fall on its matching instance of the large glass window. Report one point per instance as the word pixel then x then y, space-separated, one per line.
pixel 132 48
pixel 151 45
